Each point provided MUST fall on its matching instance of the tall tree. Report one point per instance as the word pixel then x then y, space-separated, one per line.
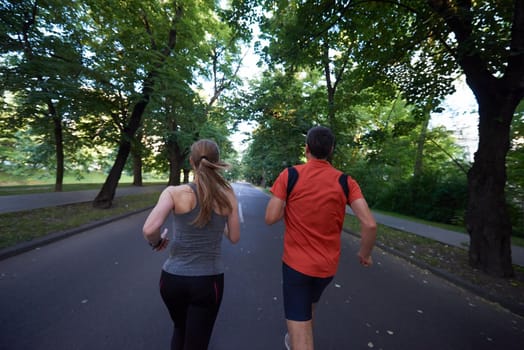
pixel 329 52
pixel 282 104
pixel 187 104
pixel 490 50
pixel 42 62
pixel 150 31
pixel 485 41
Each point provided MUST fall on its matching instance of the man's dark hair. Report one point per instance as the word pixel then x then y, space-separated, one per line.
pixel 320 141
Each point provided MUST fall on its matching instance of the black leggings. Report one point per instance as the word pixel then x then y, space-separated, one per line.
pixel 193 303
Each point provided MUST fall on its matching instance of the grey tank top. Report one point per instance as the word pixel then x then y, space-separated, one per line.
pixel 196 251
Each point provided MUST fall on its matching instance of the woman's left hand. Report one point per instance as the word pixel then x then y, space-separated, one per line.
pixel 163 243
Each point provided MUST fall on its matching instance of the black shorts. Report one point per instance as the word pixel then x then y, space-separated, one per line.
pixel 300 292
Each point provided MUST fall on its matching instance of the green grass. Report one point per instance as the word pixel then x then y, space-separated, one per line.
pixel 515 240
pixel 460 229
pixel 42 182
pixel 392 237
pixel 13 190
pixel 45 178
pixel 24 226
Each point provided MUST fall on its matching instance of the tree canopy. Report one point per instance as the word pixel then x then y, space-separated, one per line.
pixel 421 46
pixel 129 85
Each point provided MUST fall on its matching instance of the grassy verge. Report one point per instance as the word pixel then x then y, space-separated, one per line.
pixel 516 240
pixel 454 228
pixel 67 187
pixel 41 177
pixel 452 261
pixel 24 226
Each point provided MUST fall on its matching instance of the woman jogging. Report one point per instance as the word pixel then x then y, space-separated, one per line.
pixel 192 279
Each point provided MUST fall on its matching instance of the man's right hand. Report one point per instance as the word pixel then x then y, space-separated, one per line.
pixel 366 261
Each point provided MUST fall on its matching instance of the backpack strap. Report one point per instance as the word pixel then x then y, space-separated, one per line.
pixel 292 177
pixel 343 181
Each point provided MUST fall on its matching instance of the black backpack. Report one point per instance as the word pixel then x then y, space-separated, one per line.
pixel 292 177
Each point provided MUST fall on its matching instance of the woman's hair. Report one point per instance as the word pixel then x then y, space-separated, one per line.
pixel 320 141
pixel 211 186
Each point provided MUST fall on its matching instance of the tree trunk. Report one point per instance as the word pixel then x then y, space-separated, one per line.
pixel 419 157
pixel 30 20
pixel 59 146
pixel 137 169
pixel 176 158
pixel 105 197
pixel 330 86
pixel 186 172
pixel 174 171
pixel 487 217
pixel 136 153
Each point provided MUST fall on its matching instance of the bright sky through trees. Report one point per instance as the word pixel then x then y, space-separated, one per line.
pixel 457 115
pixel 461 116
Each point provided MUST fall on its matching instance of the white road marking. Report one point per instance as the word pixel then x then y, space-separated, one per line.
pixel 240 213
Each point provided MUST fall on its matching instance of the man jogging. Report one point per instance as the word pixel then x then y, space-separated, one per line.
pixel 312 201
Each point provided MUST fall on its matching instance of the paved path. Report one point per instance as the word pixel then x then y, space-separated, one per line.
pixel 99 290
pixel 445 236
pixel 15 203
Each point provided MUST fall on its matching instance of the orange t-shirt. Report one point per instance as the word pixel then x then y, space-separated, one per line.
pixel 314 216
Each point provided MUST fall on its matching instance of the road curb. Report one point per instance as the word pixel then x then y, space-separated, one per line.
pixel 56 236
pixel 516 308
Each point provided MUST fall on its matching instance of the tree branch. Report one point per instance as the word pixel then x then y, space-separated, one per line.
pixel 515 70
pixel 453 159
pixel 458 17
pixel 30 19
pixel 143 16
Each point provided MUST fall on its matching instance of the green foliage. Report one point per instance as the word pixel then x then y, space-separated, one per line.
pixel 19 227
pixel 282 107
pixel 515 170
pixel 50 104
pixel 84 65
pixel 373 71
pixel 430 197
pixel 387 171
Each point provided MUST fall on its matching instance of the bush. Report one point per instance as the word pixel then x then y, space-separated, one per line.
pixel 428 197
pixel 516 212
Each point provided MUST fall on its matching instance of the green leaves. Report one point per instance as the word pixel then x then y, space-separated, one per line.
pixel 92 62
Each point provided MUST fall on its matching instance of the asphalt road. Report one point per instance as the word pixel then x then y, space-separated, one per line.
pixel 99 290
pixel 13 203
